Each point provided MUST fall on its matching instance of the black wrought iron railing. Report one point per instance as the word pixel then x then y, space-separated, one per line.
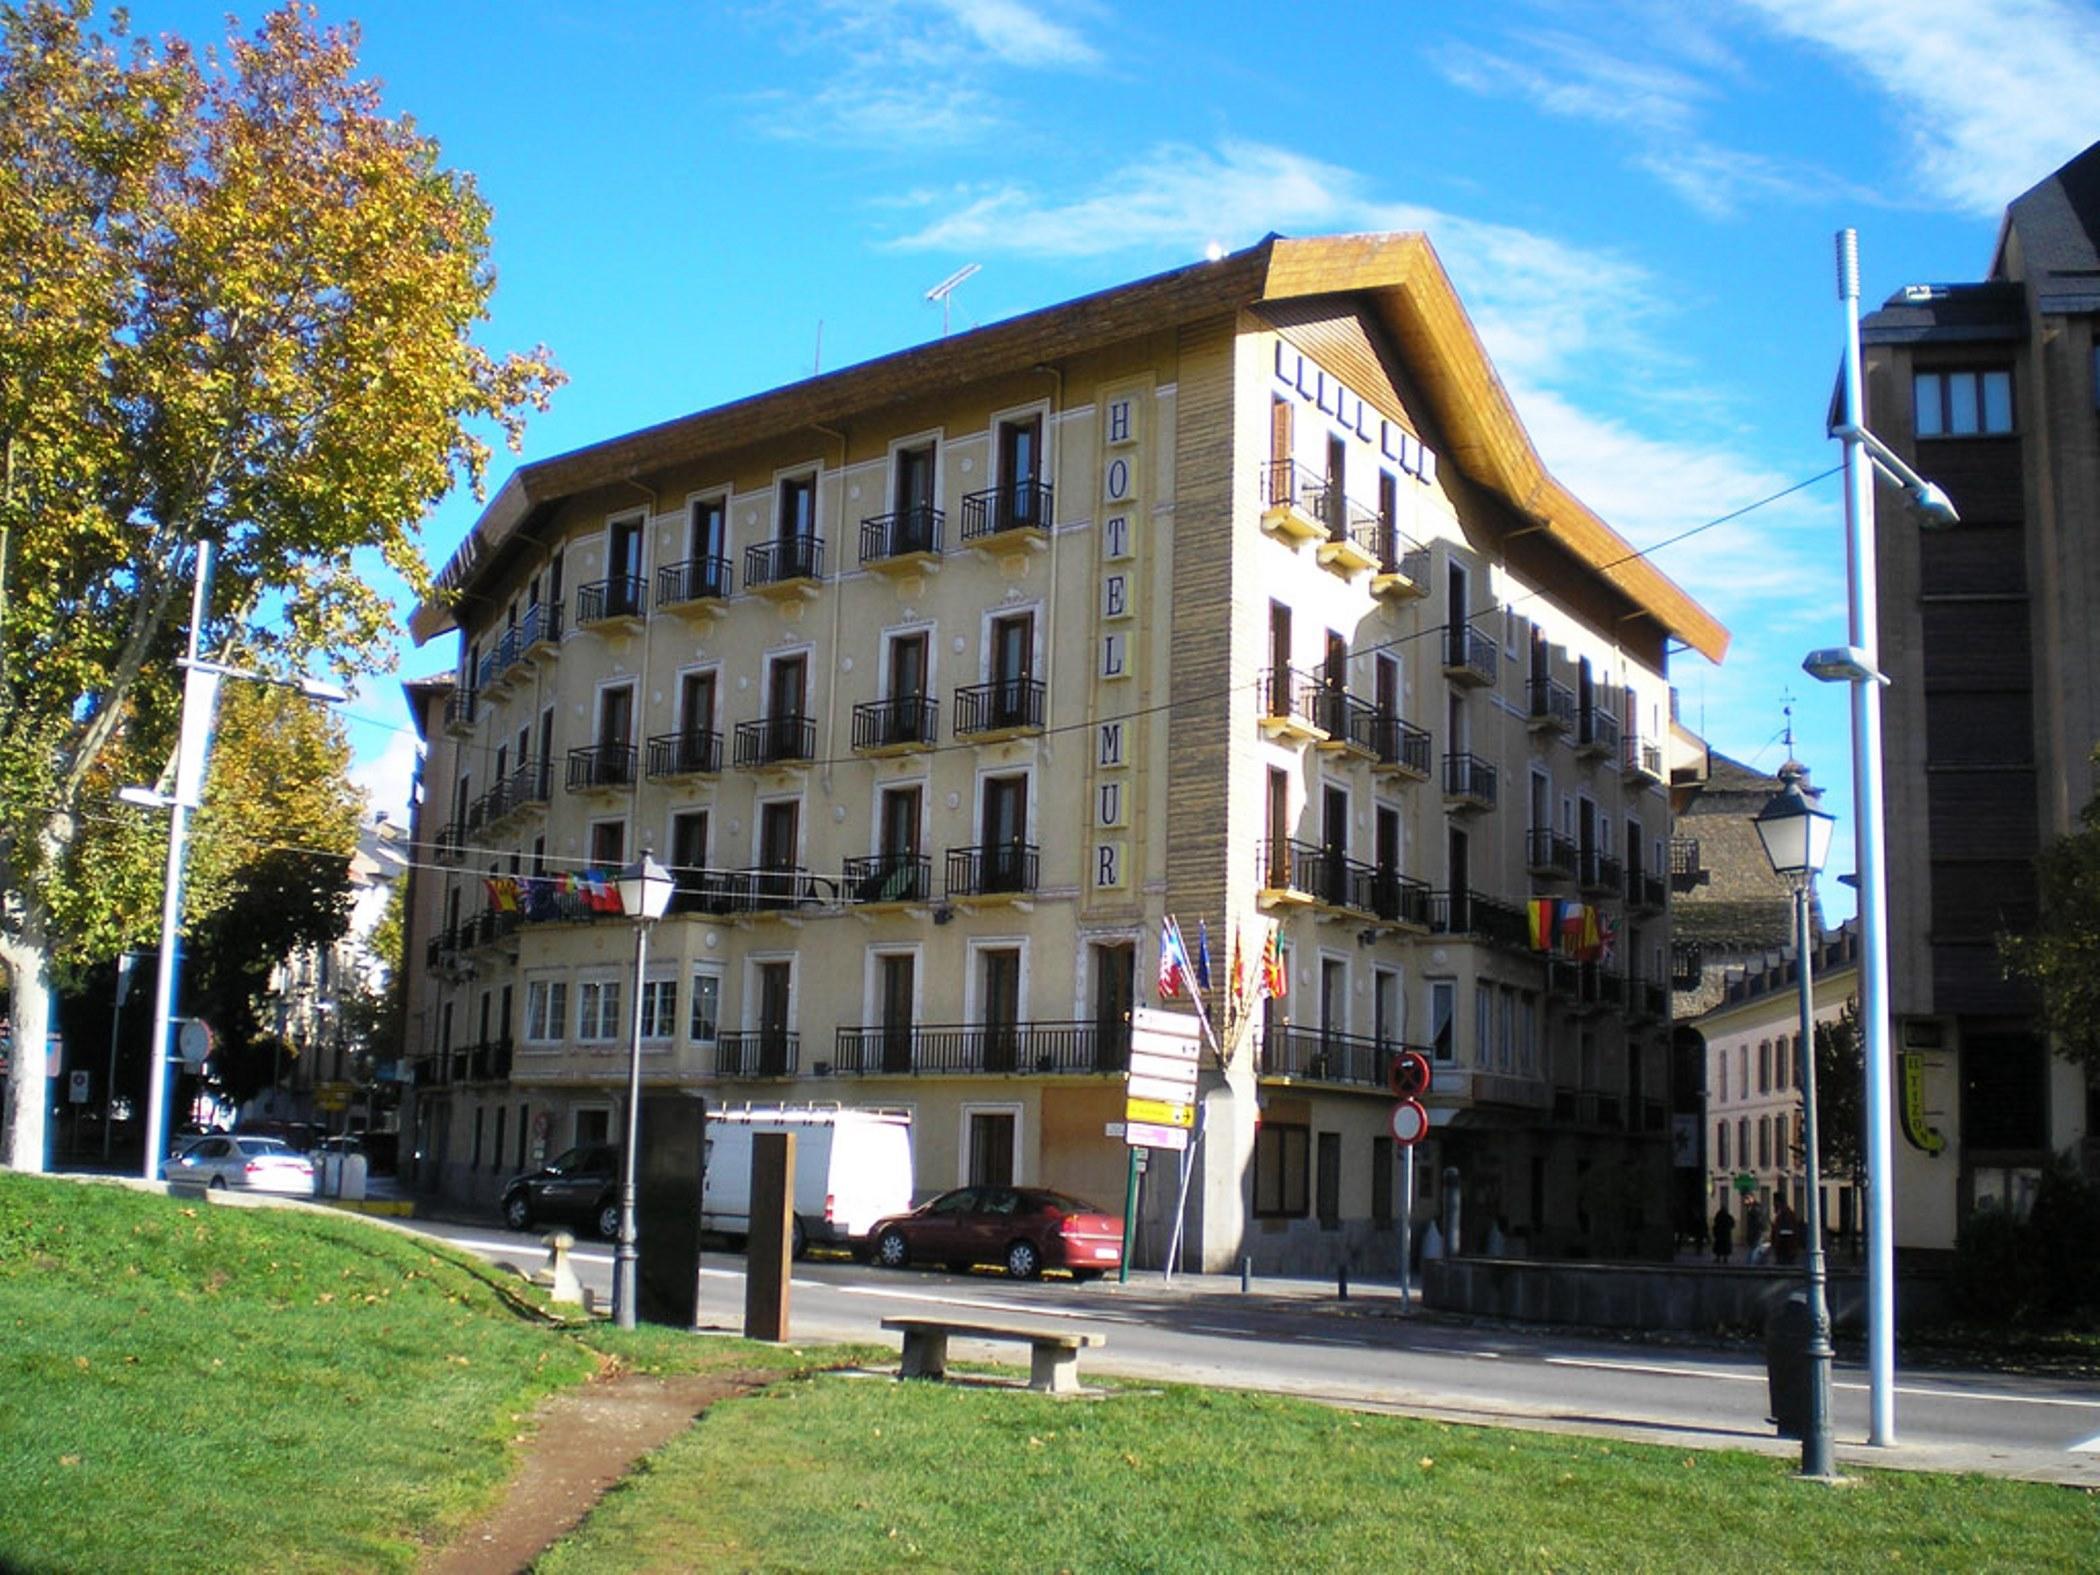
pixel 1289 694
pixel 1476 913
pixel 531 782
pixel 995 869
pixel 1001 704
pixel 788 558
pixel 601 766
pixel 758 1052
pixel 1548 854
pixel 1470 777
pixel 1597 731
pixel 1346 719
pixel 897 723
pixel 1687 964
pixel 622 596
pixel 1014 505
pixel 540 625
pixel 899 535
pixel 889 877
pixel 695 580
pixel 1601 873
pixel 694 751
pixel 1687 868
pixel 776 740
pixel 1022 1048
pixel 1469 654
pixel 1643 757
pixel 1552 704
pixel 459 708
pixel 1398 743
pixel 1319 1055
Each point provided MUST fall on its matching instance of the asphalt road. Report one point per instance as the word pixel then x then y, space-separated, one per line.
pixel 1296 1337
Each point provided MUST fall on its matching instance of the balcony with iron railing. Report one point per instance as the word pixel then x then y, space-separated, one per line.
pixel 1549 855
pixel 902 877
pixel 1349 723
pixel 1399 748
pixel 1687 868
pixel 775 889
pixel 621 599
pixel 489 1061
pixel 1469 782
pixel 489 927
pixel 1600 874
pixel 459 710
pixel 1290 705
pixel 1013 514
pixel 449 843
pixel 1000 709
pixel 1320 1055
pixel 788 567
pixel 540 629
pixel 514 652
pixel 490 677
pixel 758 1052
pixel 601 768
pixel 1646 1001
pixel 531 784
pixel 1645 893
pixel 776 741
pixel 690 752
pixel 1353 534
pixel 1307 872
pixel 1477 914
pixel 1399 899
pixel 907 539
pixel 1643 760
pixel 716 893
pixel 1596 732
pixel 1293 502
pixel 1552 706
pixel 1403 566
pixel 1470 656
pixel 904 723
pixel 696 587
pixel 996 869
pixel 1041 1049
pixel 1609 989
pixel 1687 965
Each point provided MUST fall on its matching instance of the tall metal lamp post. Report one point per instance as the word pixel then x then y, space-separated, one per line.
pixel 1858 664
pixel 645 892
pixel 1796 836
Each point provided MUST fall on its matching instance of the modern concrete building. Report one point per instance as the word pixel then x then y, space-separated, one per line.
pixel 1237 594
pixel 1991 389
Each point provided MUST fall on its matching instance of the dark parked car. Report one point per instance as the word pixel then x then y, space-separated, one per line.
pixel 581 1187
pixel 1023 1229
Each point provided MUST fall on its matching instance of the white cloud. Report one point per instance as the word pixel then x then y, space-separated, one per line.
pixel 1993 94
pixel 1020 34
pixel 386 778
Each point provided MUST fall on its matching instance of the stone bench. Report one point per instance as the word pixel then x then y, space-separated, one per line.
pixel 1053 1366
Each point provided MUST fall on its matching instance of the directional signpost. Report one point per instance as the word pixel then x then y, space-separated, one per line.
pixel 1159 1097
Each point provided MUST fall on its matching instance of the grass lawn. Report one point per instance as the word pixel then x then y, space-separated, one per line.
pixel 846 1473
pixel 185 1386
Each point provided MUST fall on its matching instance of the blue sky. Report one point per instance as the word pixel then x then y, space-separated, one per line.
pixel 1636 200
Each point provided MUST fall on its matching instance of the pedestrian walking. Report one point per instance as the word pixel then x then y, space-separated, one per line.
pixel 1786 1232
pixel 1753 1228
pixel 1724 1234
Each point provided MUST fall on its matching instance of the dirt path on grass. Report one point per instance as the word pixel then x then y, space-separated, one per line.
pixel 581 1442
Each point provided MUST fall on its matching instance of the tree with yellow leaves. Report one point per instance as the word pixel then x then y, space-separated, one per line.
pixel 238 302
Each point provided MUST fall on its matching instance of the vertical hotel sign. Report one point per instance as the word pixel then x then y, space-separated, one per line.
pixel 1122 453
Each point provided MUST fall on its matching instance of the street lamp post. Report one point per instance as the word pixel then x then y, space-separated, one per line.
pixel 1859 664
pixel 1796 838
pixel 645 892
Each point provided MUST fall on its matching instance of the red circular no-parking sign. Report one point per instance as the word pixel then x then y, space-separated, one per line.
pixel 1410 1122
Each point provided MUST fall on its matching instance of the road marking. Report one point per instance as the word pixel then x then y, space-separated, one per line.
pixel 2090 1447
pixel 1915 1390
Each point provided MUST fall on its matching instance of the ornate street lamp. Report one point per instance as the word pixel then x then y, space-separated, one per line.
pixel 645 888
pixel 1796 837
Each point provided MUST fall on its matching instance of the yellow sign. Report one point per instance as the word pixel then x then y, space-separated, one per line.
pixel 1159 1112
pixel 1922 1134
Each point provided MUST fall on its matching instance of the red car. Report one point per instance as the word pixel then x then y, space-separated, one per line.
pixel 1023 1229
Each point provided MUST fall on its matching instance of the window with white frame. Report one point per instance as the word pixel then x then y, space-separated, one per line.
pixel 705 1016
pixel 546 1009
pixel 1975 403
pixel 659 1008
pixel 1443 1007
pixel 1483 1025
pixel 598 1009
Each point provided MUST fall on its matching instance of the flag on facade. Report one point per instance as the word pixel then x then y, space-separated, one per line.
pixel 1238 981
pixel 1203 954
pixel 1275 980
pixel 1545 919
pixel 1607 938
pixel 1173 960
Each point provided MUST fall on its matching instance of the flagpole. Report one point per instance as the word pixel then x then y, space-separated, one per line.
pixel 1188 1154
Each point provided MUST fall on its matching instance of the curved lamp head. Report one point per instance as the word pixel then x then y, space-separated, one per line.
pixel 645 888
pixel 1795 834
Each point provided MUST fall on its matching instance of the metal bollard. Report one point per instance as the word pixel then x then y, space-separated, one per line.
pixel 1341 1288
pixel 1246 1275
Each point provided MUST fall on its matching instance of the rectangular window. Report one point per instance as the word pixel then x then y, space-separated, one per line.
pixel 1330 1179
pixel 798 508
pixel 496 1148
pixel 1381 1181
pixel 1963 404
pixel 1721 1142
pixel 706 1014
pixel 1483 1026
pixel 1764 1066
pixel 1280 1158
pixel 660 1009
pixel 609 843
pixel 598 1009
pixel 1443 1007
pixel 1764 1142
pixel 546 1009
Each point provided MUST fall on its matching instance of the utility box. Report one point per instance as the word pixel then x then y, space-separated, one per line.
pixel 1787 1368
pixel 669 1175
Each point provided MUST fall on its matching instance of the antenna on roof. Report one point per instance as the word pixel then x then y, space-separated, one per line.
pixel 946 288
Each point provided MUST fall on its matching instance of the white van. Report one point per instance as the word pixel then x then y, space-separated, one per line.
pixel 852 1168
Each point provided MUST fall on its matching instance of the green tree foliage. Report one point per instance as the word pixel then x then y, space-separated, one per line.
pixel 1841 1091
pixel 2060 955
pixel 240 304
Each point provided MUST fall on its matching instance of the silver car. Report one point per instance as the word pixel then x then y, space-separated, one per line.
pixel 239 1159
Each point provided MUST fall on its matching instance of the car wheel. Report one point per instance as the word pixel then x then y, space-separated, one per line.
pixel 892 1251
pixel 609 1221
pixel 517 1213
pixel 798 1241
pixel 1023 1262
pixel 218 1184
pixel 1085 1276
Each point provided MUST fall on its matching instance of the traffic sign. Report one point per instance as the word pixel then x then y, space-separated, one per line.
pixel 1160 1087
pixel 77 1088
pixel 1163 1112
pixel 1408 1074
pixel 1143 1134
pixel 1410 1122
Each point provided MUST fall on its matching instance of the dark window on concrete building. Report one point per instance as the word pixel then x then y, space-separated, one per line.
pixel 1330 1180
pixel 2004 1091
pixel 1381 1181
pixel 1280 1156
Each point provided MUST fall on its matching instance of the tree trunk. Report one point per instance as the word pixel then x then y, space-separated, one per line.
pixel 28 964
